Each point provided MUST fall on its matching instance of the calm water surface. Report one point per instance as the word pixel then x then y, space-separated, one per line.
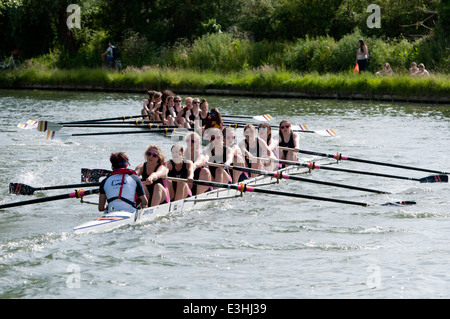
pixel 259 246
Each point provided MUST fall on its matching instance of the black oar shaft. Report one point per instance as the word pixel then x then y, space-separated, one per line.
pixel 428 179
pixel 245 188
pixel 124 117
pixel 339 157
pixel 75 194
pixel 23 189
pixel 144 126
pixel 168 130
pixel 345 170
pixel 327 199
pixel 280 175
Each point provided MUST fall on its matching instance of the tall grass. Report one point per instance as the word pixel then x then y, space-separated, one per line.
pixel 262 79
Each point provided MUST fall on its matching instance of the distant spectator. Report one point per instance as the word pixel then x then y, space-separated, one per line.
pixel 422 71
pixel 362 55
pixel 413 70
pixel 112 54
pixel 386 70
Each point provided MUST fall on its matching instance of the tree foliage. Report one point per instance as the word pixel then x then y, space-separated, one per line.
pixel 37 27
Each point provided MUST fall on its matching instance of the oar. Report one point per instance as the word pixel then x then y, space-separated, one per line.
pixel 24 189
pixel 280 175
pixel 52 126
pixel 296 128
pixel 124 117
pixel 76 194
pixel 28 125
pixel 101 125
pixel 245 188
pixel 51 135
pixel 303 129
pixel 260 118
pixel 340 157
pixel 313 165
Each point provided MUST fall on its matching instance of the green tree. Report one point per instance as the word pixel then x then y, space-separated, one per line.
pixel 299 18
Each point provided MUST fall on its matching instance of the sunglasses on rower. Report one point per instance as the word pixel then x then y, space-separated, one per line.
pixel 152 154
pixel 285 126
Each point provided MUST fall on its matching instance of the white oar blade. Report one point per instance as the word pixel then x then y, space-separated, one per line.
pixel 263 118
pixel 328 132
pixel 28 125
pixel 53 135
pixel 44 126
pixel 303 128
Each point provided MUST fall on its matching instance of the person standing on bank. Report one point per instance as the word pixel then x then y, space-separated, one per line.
pixel 111 55
pixel 121 188
pixel 362 55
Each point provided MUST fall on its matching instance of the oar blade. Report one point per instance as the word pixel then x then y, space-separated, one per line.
pixel 303 129
pixel 53 135
pixel 400 203
pixel 28 125
pixel 93 175
pixel 21 189
pixel 328 133
pixel 48 126
pixel 434 179
pixel 263 118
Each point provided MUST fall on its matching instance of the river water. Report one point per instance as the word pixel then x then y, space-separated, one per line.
pixel 260 246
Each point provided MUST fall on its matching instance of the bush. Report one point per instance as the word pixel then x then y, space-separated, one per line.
pixel 309 55
pixel 134 49
pixel 218 51
pixel 343 56
pixel 434 52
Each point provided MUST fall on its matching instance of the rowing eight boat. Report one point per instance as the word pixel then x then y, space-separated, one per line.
pixel 109 221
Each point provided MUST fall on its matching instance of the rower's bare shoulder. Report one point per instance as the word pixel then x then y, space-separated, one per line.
pixel 139 168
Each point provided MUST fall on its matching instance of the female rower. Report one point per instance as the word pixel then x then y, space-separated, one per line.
pixel 253 148
pixel 174 110
pixel 194 154
pixel 121 187
pixel 148 105
pixel 288 138
pixel 155 110
pixel 218 152
pixel 168 114
pixel 179 167
pixel 193 114
pixel 182 116
pixel 214 120
pixel 161 108
pixel 265 133
pixel 203 116
pixel 229 138
pixel 154 172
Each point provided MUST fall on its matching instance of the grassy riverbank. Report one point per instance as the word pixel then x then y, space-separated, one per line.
pixel 263 81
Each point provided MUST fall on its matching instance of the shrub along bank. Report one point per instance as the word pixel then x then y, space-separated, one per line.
pixel 264 81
